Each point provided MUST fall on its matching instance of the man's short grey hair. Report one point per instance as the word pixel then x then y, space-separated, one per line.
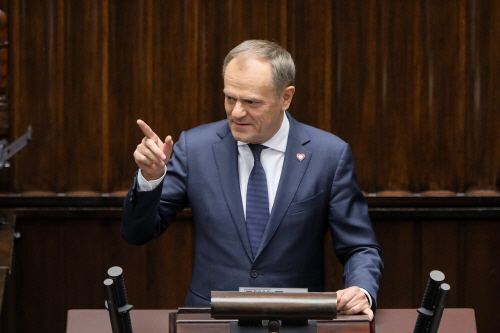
pixel 281 61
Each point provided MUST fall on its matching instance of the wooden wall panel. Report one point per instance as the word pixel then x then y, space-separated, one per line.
pixel 399 244
pixel 483 95
pixel 130 86
pixel 37 54
pixel 83 141
pixel 411 85
pixel 176 74
pixel 355 84
pixel 310 26
pixel 443 110
pixel 210 55
pixel 398 82
pixel 217 29
pixel 169 274
pixel 57 88
pixel 480 287
pixel 440 248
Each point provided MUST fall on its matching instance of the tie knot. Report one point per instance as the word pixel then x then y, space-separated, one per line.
pixel 256 150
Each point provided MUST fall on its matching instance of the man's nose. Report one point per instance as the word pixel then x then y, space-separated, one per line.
pixel 238 110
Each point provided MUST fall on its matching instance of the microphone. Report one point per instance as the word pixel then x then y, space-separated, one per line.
pixel 117 303
pixel 111 305
pixel 431 310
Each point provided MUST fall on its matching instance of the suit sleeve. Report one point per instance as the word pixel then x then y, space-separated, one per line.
pixel 146 215
pixel 354 240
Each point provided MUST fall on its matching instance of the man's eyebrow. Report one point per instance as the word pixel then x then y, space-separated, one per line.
pixel 252 99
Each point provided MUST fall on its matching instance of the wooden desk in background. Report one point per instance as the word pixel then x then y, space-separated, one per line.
pixel 156 321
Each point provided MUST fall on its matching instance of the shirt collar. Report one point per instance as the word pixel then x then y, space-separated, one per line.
pixel 279 140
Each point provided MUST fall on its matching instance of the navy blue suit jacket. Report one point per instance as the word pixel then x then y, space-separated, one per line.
pixel 314 195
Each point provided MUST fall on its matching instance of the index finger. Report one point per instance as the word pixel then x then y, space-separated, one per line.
pixel 146 129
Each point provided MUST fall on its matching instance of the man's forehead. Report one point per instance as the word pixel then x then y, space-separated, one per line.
pixel 250 65
pixel 248 73
pixel 249 60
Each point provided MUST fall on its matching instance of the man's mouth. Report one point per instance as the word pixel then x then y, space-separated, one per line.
pixel 237 123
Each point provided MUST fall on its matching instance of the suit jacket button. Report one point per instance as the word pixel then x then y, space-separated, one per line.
pixel 254 273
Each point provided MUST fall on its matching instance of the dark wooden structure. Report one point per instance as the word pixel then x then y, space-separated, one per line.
pixel 413 86
pixel 7 226
pixel 67 244
pixel 387 321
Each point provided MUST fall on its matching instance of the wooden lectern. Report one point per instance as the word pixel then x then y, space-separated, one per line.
pixel 264 312
pixel 195 320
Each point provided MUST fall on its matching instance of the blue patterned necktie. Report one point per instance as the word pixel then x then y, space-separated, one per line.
pixel 257 201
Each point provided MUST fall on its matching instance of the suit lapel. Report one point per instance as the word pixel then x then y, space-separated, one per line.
pixel 226 158
pixel 291 177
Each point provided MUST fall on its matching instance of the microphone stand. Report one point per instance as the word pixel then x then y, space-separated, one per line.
pixel 7 151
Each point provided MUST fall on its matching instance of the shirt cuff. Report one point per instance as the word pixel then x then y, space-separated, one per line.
pixel 367 296
pixel 143 185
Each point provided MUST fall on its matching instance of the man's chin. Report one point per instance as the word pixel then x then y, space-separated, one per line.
pixel 241 138
pixel 238 136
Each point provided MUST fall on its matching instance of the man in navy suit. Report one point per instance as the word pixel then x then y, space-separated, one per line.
pixel 306 177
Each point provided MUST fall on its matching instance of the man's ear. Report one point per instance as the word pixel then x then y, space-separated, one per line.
pixel 286 97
